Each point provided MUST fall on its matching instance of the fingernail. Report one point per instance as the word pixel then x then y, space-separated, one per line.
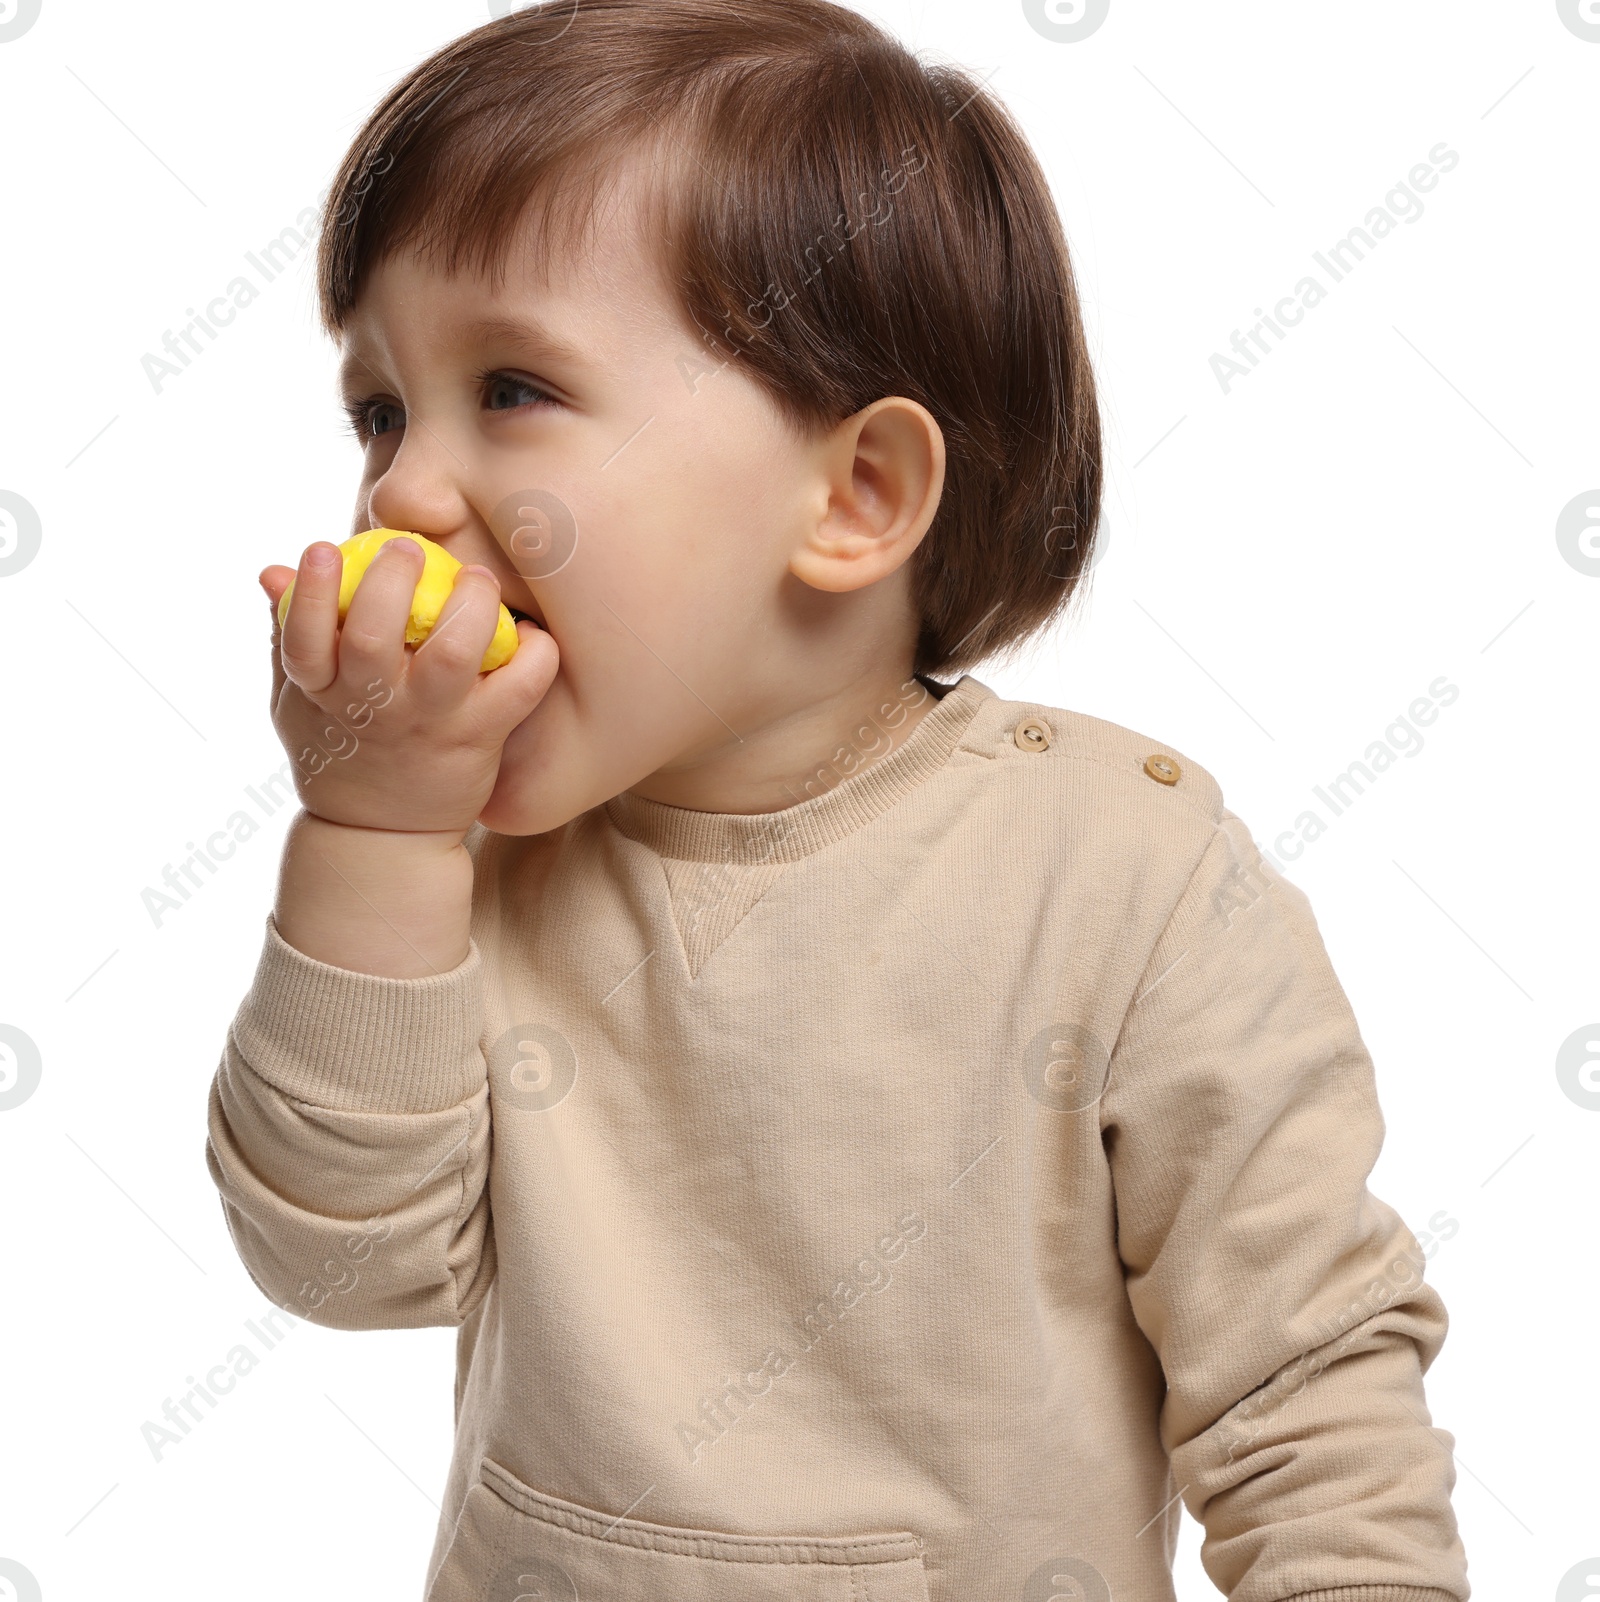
pixel 473 567
pixel 322 556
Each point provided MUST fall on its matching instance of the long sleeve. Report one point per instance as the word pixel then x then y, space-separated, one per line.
pixel 348 1136
pixel 1285 1302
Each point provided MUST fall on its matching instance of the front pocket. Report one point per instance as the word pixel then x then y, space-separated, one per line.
pixel 515 1544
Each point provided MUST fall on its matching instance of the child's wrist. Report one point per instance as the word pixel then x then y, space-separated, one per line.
pixel 334 828
pixel 379 901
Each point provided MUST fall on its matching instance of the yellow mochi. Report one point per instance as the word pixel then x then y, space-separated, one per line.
pixel 439 571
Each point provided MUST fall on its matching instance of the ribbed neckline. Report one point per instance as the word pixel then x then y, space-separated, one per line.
pixel 796 831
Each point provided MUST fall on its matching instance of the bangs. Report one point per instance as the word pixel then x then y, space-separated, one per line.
pixel 460 184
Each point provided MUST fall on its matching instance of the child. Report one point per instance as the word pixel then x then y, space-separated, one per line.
pixel 878 1141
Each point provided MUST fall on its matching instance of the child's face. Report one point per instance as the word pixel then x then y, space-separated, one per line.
pixel 668 502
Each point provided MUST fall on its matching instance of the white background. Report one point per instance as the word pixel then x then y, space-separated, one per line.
pixel 1290 565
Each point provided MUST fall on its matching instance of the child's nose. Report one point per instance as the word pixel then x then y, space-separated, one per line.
pixel 418 492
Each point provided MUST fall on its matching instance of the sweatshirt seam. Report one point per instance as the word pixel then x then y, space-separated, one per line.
pixel 1371 1591
pixel 440 978
pixel 462 1205
pixel 1211 813
pixel 1140 990
pixel 377 1012
pixel 825 820
pixel 697 1545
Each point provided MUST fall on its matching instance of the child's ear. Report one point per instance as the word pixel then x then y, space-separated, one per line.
pixel 881 474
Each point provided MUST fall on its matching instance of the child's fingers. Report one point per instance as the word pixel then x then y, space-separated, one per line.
pixel 447 663
pixel 507 695
pixel 310 630
pixel 372 641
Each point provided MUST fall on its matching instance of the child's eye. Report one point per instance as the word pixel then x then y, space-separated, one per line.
pixel 502 392
pixel 369 418
pixel 506 392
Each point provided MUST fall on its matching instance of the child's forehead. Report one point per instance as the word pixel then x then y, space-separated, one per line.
pixel 559 288
pixel 579 328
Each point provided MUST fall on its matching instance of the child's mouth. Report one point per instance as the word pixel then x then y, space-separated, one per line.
pixel 518 614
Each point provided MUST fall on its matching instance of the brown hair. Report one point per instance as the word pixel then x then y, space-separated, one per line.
pixel 847 221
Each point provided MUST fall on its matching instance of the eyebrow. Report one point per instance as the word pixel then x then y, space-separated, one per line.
pixel 531 334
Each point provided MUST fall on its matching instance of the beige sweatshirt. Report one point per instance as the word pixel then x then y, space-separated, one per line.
pixel 909 1196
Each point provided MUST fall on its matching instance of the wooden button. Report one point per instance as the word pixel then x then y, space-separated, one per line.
pixel 1032 734
pixel 1162 769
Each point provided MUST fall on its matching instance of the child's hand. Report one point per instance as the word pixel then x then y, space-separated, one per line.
pixel 384 735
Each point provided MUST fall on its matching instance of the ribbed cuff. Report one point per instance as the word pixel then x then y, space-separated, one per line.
pixel 359 1042
pixel 1375 1593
